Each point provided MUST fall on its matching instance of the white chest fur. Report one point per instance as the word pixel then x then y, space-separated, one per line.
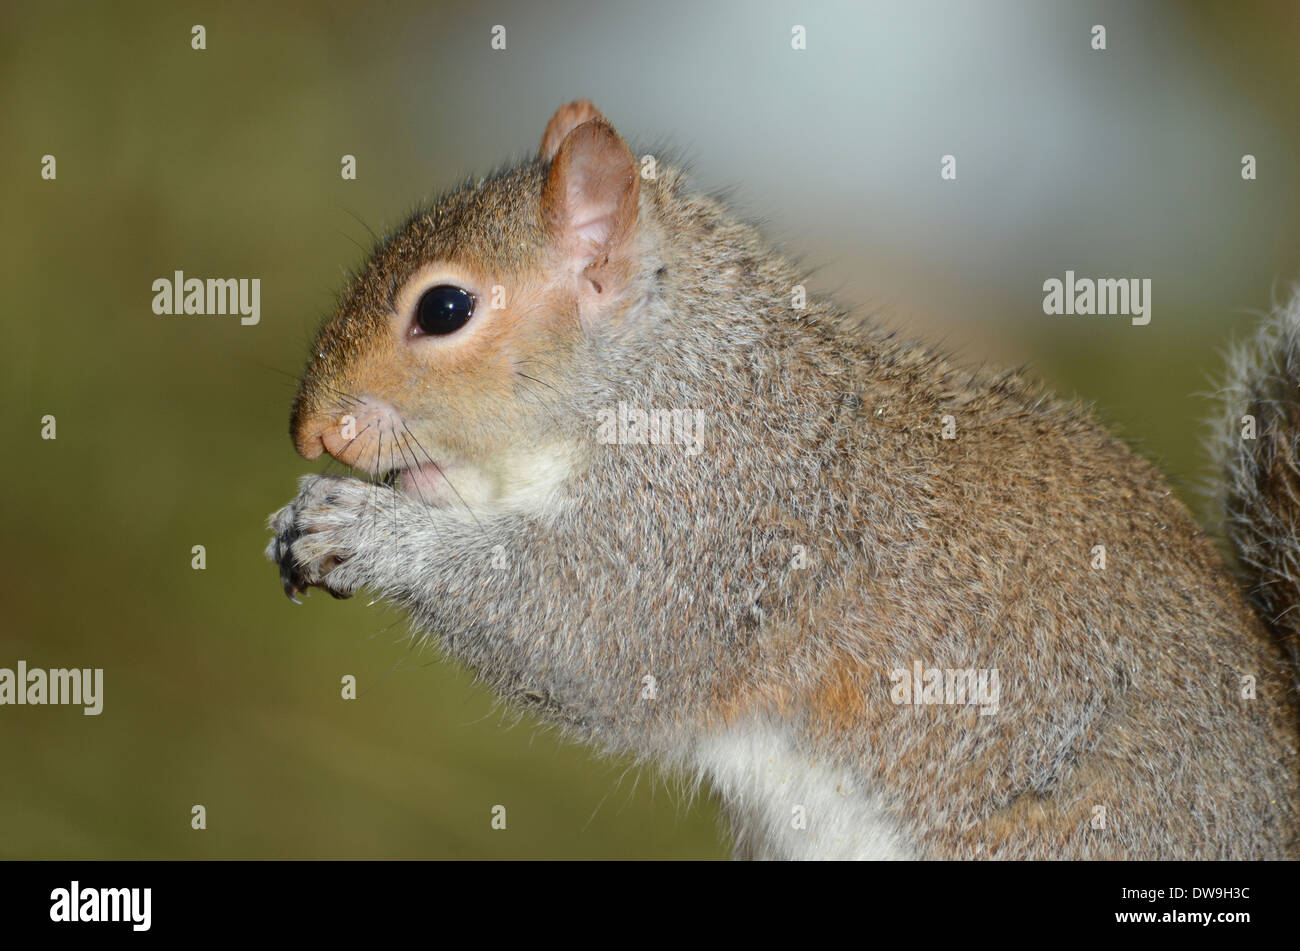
pixel 784 806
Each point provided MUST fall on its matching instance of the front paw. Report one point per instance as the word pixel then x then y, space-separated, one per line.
pixel 318 536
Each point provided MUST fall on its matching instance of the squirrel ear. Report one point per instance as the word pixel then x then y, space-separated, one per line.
pixel 590 201
pixel 567 118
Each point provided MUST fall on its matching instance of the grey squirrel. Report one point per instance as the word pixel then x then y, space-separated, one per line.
pixel 613 469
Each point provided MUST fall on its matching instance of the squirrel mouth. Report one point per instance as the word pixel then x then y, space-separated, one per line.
pixel 424 482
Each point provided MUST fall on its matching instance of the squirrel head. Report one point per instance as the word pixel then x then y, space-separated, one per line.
pixel 445 359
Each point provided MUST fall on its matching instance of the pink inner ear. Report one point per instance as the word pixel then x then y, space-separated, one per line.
pixel 590 212
pixel 591 194
pixel 595 232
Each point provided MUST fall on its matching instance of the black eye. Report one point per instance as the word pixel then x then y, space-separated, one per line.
pixel 444 309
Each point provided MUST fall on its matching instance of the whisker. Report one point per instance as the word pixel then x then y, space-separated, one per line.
pixel 363 431
pixel 539 400
pixel 360 247
pixel 434 463
pixel 411 461
pixel 344 395
pixel 380 464
pixel 378 240
pixel 264 366
pixel 540 382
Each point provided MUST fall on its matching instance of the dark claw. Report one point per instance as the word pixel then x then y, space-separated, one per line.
pixel 291 590
pixel 291 581
pixel 290 578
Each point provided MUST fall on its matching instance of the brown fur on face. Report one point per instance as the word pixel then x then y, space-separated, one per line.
pixel 553 240
pixel 470 397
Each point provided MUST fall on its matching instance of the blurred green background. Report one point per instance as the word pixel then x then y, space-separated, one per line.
pixel 172 431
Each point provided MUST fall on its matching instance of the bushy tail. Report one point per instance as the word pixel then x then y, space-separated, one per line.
pixel 1260 455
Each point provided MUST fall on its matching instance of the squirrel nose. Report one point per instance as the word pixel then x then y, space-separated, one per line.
pixel 354 437
pixel 308 433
